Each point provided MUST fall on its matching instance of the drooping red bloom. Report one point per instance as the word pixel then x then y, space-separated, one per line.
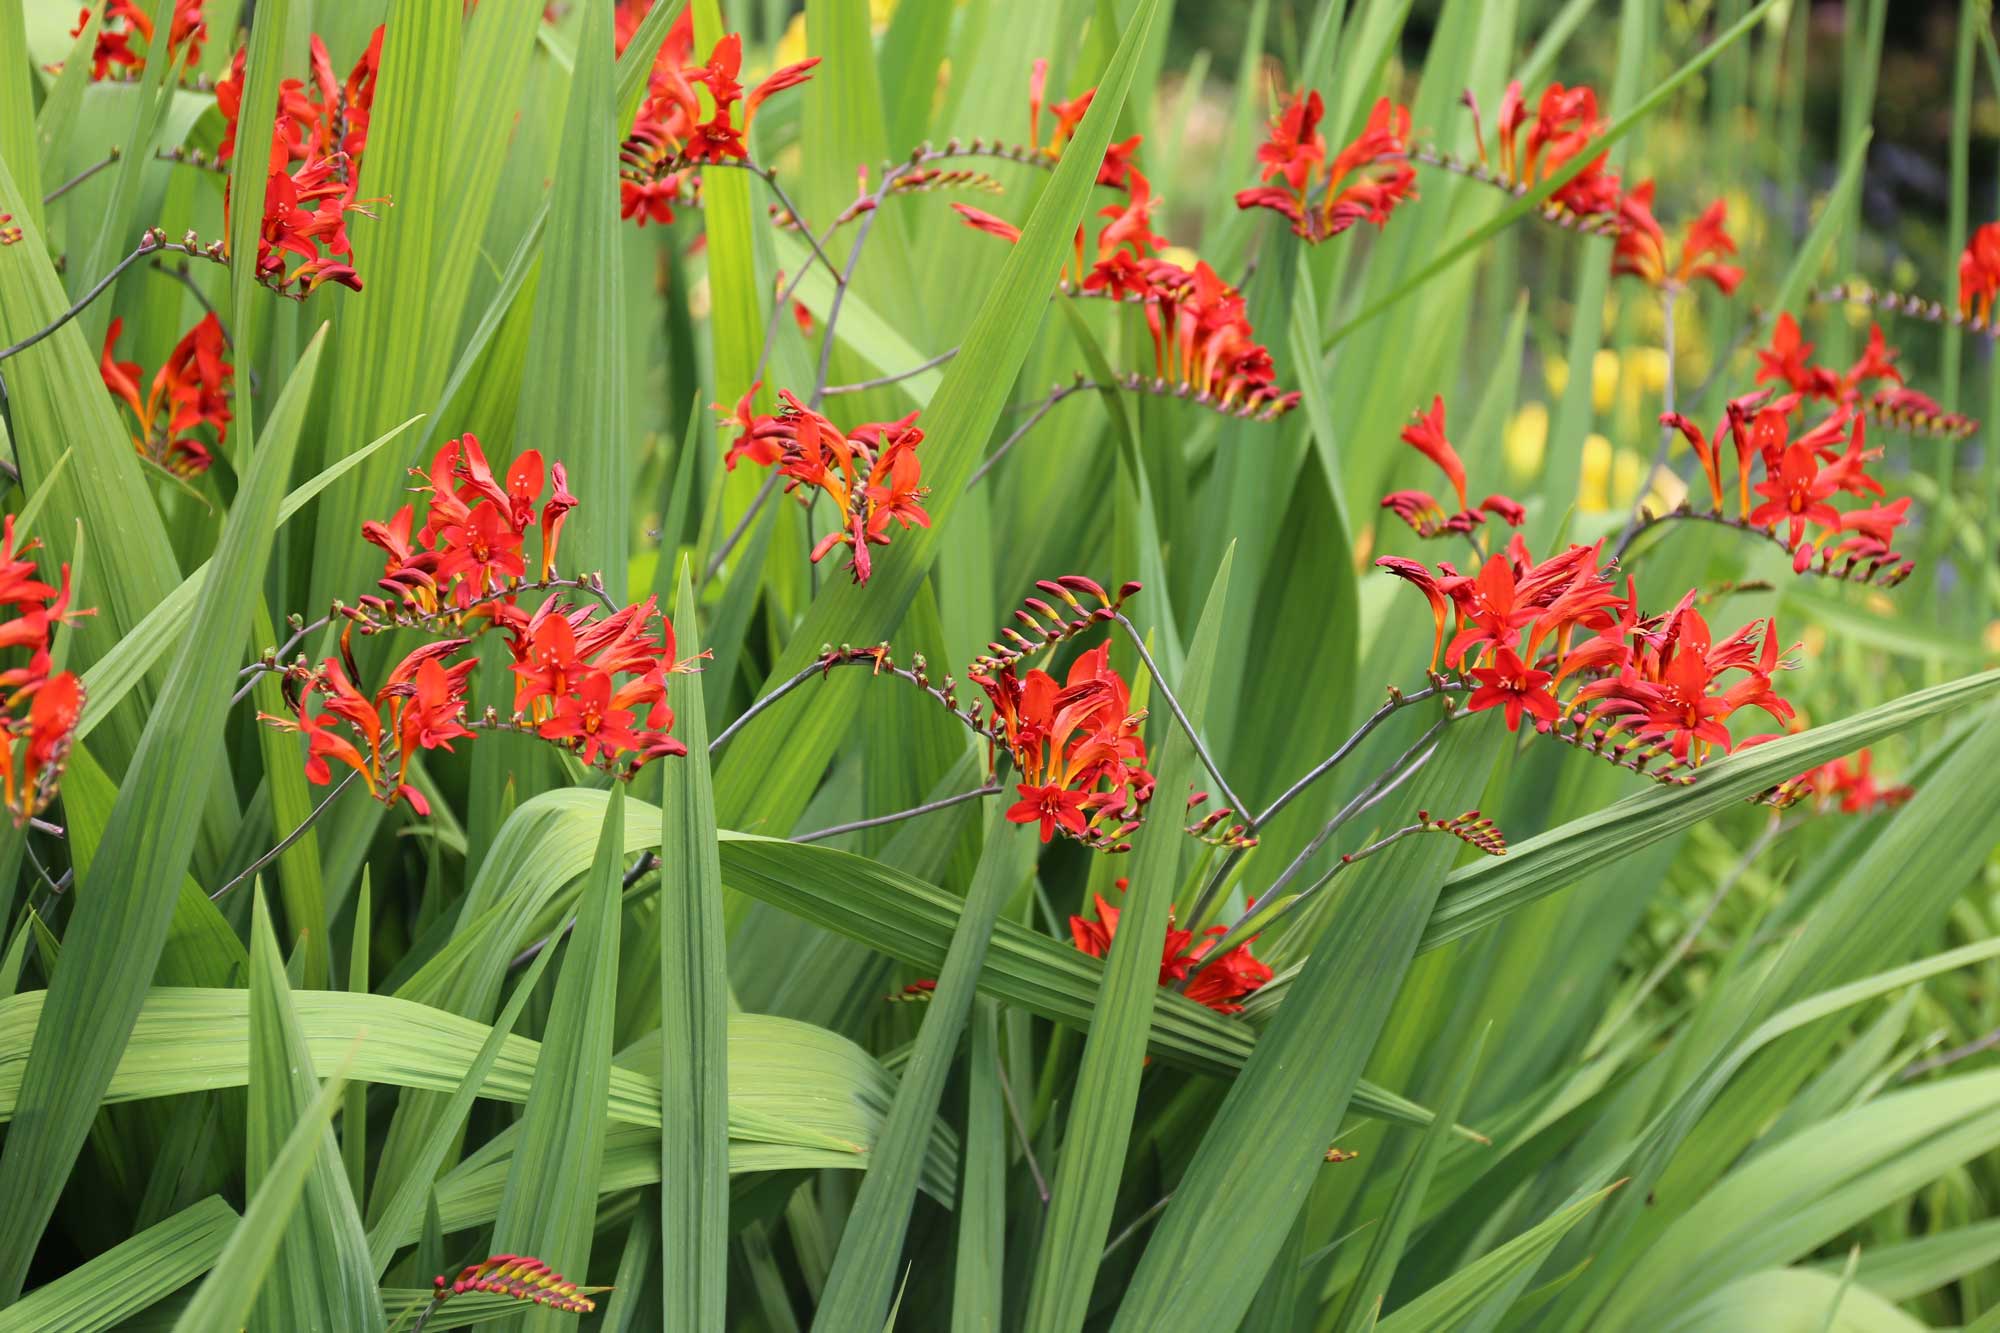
pixel 1566 125
pixel 871 473
pixel 671 134
pixel 981 220
pixel 1848 784
pixel 1419 509
pixel 1076 746
pixel 1979 274
pixel 1114 170
pixel 317 143
pixel 127 32
pixel 1365 182
pixel 1641 249
pixel 1219 985
pixel 39 707
pixel 191 389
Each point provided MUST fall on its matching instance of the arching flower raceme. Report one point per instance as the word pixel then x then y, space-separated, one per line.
pixel 1219 985
pixel 1565 126
pixel 670 133
pixel 1076 747
pixel 1421 510
pixel 1528 632
pixel 190 390
pixel 1366 181
pixel 317 143
pixel 1641 249
pixel 1114 171
pixel 871 473
pixel 518 1277
pixel 39 707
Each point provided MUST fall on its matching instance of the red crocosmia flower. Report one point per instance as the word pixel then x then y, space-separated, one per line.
pixel 1788 361
pixel 1426 435
pixel 1492 607
pixel 1512 685
pixel 1505 508
pixel 1052 806
pixel 1365 182
pixel 981 220
pixel 790 76
pixel 587 719
pixel 1641 250
pixel 648 201
pixel 1848 783
pixel 192 389
pixel 1441 605
pixel 1218 986
pixel 1796 496
pixel 871 474
pixel 1979 274
pixel 1566 125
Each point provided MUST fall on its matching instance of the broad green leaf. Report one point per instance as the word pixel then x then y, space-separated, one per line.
pixel 1789 1300
pixel 860 1287
pixel 226 1295
pixel 550 1203
pixel 1107 1087
pixel 1507 1269
pixel 1272 1130
pixel 128 1277
pixel 320 1276
pixel 119 924
pixel 1481 894
pixel 694 1011
pixel 979 1271
pixel 18 149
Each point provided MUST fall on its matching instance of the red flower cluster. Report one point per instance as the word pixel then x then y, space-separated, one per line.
pixel 1531 628
pixel 1850 784
pixel 192 389
pixel 1115 171
pixel 1295 153
pixel 1082 763
pixel 1979 273
pixel 1800 479
pixel 1788 361
pixel 670 133
pixel 471 547
pixel 124 21
pixel 9 234
pixel 1566 125
pixel 517 1276
pixel 1420 509
pixel 316 148
pixel 870 473
pixel 1641 251
pixel 582 675
pixel 38 708
pixel 1222 983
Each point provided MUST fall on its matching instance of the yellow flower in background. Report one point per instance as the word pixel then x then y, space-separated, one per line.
pixel 1525 441
pixel 1556 372
pixel 1627 471
pixel 1904 274
pixel 792 46
pixel 1668 490
pixel 1593 486
pixel 1813 639
pixel 1993 636
pixel 1604 379
pixel 1647 366
pixel 1180 254
pixel 880 12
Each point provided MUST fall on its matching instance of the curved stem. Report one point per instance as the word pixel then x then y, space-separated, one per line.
pixel 1034 418
pixel 883 380
pixel 285 843
pixel 742 526
pixel 82 176
pixel 876 821
pixel 150 244
pixel 1160 684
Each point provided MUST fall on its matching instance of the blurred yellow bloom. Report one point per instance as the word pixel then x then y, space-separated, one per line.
pixel 792 46
pixel 1603 379
pixel 1667 491
pixel 1526 441
pixel 1180 254
pixel 1556 371
pixel 1648 366
pixel 1593 487
pixel 1627 471
pixel 1904 274
pixel 880 12
pixel 1993 636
